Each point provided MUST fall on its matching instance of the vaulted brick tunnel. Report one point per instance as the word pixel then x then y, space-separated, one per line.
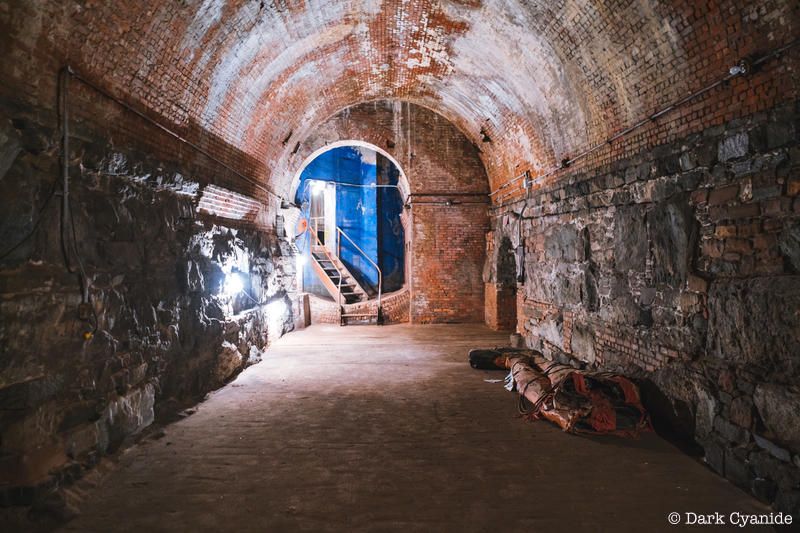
pixel 615 182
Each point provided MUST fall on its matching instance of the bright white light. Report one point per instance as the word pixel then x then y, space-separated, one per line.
pixel 233 284
pixel 276 315
pixel 301 260
pixel 276 309
pixel 317 187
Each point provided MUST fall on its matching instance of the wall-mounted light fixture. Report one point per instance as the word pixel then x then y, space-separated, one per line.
pixel 526 179
pixel 740 69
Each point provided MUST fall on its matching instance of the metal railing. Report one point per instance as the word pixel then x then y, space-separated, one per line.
pixel 340 234
pixel 314 231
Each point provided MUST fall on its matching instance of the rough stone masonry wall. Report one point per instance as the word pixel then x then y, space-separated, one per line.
pixel 164 331
pixel 681 266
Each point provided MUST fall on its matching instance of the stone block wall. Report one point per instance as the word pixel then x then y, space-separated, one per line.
pixel 681 266
pixel 76 382
pixel 500 273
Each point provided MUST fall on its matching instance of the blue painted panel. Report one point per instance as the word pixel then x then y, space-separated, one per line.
pixel 391 236
pixel 357 215
pixel 368 214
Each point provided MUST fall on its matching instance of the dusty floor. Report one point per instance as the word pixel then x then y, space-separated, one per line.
pixel 389 429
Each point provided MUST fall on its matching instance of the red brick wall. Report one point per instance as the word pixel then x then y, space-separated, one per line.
pixel 434 154
pixel 721 34
pixel 448 250
pixel 395 308
pixel 501 307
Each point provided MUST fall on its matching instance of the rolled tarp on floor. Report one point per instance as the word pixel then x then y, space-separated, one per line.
pixel 578 401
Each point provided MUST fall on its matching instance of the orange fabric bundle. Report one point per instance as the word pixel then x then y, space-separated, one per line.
pixel 578 401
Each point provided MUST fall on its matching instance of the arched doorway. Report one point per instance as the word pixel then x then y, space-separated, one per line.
pixel 444 185
pixel 352 240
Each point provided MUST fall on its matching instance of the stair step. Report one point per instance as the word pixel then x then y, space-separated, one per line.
pixel 334 270
pixel 360 315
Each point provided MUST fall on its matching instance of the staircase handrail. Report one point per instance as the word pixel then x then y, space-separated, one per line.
pixel 341 232
pixel 331 260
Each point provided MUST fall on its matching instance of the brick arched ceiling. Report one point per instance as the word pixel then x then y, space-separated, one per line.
pixel 541 79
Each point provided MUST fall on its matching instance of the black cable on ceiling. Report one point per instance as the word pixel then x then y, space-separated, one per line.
pixel 742 68
pixel 168 131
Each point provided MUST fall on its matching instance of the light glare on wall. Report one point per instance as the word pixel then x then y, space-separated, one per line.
pixel 317 187
pixel 233 284
pixel 276 309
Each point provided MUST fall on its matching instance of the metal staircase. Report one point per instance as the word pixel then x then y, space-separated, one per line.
pixel 336 278
pixel 341 284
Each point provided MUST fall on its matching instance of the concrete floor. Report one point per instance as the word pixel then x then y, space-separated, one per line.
pixel 370 428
